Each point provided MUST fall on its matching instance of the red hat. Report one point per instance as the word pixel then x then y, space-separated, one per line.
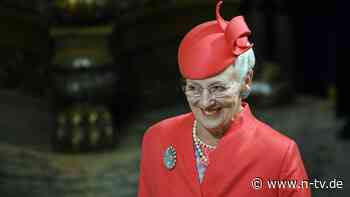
pixel 211 47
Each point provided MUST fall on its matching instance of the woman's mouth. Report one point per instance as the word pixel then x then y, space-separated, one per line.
pixel 211 112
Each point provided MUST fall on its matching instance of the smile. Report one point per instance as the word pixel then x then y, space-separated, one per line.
pixel 212 112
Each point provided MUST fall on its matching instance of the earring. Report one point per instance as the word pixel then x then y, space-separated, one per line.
pixel 245 93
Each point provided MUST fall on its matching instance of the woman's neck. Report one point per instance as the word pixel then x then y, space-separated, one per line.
pixel 213 137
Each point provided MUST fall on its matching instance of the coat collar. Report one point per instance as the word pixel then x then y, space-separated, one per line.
pixel 237 131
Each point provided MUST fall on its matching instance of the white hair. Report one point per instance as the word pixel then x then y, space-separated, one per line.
pixel 244 63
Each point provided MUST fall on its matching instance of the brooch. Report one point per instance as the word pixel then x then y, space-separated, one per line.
pixel 169 158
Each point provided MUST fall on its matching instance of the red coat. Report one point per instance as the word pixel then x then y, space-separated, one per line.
pixel 249 149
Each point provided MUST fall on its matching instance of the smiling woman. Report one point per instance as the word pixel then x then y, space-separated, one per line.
pixel 219 149
pixel 216 105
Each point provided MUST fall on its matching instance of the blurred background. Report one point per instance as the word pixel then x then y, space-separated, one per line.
pixel 81 81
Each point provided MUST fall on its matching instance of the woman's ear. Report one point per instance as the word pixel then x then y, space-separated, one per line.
pixel 249 78
pixel 246 85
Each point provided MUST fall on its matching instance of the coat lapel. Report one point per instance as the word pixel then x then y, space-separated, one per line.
pixel 187 156
pixel 221 158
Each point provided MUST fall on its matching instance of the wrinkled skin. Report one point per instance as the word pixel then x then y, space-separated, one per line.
pixel 214 112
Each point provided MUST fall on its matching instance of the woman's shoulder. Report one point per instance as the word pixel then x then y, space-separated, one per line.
pixel 271 137
pixel 166 126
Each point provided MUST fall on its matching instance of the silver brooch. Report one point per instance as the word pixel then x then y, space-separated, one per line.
pixel 169 158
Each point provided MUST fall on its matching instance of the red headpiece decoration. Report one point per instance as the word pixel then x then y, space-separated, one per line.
pixel 212 46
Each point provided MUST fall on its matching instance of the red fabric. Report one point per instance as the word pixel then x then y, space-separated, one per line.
pixel 212 46
pixel 249 149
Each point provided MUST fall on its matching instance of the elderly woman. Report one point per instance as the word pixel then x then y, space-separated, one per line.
pixel 219 149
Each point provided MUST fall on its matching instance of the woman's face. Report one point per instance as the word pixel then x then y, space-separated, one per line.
pixel 214 101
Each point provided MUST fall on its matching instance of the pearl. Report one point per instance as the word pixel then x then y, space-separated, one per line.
pixel 198 143
pixel 197 139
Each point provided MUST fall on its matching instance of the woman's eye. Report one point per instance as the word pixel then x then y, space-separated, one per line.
pixel 191 88
pixel 218 88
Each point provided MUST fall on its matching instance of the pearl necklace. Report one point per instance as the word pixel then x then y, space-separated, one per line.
pixel 198 143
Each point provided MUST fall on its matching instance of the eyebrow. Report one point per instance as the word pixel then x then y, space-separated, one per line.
pixel 211 84
pixel 216 83
pixel 193 83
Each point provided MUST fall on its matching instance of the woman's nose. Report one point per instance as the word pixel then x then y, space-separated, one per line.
pixel 205 101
